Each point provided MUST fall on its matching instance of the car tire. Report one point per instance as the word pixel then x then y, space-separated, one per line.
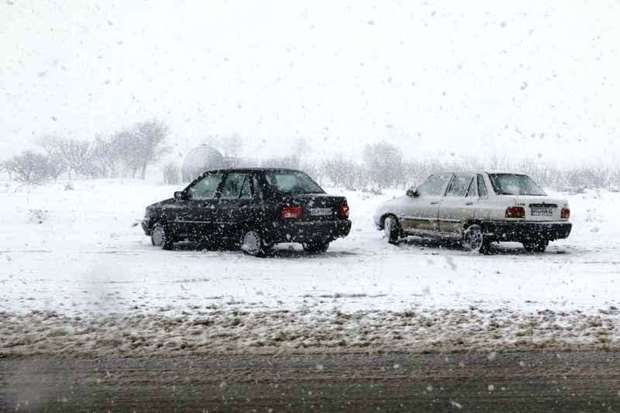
pixel 536 245
pixel 474 240
pixel 391 229
pixel 252 243
pixel 162 237
pixel 315 247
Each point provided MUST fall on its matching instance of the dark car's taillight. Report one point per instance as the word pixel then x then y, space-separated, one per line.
pixel 343 210
pixel 515 212
pixel 292 212
pixel 565 213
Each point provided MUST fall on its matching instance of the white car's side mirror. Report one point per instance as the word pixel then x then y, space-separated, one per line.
pixel 412 192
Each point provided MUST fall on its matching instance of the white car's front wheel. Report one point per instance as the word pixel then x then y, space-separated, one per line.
pixel 474 240
pixel 391 229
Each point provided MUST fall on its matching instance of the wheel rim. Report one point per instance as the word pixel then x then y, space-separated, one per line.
pixel 158 237
pixel 473 239
pixel 251 242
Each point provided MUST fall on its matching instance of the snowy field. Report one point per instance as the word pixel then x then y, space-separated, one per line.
pixel 76 268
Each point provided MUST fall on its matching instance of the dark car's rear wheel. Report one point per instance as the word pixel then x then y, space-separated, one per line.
pixel 391 228
pixel 315 246
pixel 162 237
pixel 252 243
pixel 536 245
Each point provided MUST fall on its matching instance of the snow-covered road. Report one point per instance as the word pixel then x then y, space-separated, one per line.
pixel 78 252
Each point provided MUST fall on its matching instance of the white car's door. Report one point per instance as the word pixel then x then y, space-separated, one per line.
pixel 421 212
pixel 459 204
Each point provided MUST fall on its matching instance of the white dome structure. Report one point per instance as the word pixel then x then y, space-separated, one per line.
pixel 201 159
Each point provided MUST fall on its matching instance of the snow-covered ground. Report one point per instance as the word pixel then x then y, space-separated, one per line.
pixel 73 255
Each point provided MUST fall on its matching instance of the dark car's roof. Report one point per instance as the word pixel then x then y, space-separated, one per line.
pixel 253 169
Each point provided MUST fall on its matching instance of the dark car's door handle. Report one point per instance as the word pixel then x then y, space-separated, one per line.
pixel 435 203
pixel 469 203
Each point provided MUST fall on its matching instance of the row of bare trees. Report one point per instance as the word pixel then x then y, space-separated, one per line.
pixel 353 175
pixel 126 153
pixel 384 165
pixel 129 152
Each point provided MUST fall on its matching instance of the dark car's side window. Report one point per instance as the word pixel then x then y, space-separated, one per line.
pixel 246 188
pixel 237 186
pixel 435 185
pixel 206 188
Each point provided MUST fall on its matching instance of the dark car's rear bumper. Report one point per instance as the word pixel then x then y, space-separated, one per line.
pixel 518 231
pixel 305 231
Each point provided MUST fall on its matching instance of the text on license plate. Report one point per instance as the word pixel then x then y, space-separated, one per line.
pixel 542 212
pixel 321 212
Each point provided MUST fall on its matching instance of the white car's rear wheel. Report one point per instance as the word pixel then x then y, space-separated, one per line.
pixel 474 240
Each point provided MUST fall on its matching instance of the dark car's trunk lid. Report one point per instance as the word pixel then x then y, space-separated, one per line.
pixel 317 207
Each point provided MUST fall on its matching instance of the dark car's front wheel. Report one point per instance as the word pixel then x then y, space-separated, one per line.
pixel 315 247
pixel 252 243
pixel 162 237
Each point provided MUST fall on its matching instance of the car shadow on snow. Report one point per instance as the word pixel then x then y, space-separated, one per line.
pixel 300 253
pixel 291 251
pixel 507 248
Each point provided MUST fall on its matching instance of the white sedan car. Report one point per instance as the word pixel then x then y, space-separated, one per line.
pixel 476 209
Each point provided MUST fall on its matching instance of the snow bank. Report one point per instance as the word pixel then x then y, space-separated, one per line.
pixel 225 332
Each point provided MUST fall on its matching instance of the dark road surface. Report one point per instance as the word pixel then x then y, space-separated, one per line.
pixel 503 382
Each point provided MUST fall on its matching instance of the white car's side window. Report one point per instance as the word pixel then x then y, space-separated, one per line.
pixel 459 185
pixel 435 185
pixel 482 187
pixel 472 192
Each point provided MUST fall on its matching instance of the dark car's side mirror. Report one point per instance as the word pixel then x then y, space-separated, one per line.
pixel 413 193
pixel 181 195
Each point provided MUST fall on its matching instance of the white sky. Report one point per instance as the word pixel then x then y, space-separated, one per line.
pixel 510 79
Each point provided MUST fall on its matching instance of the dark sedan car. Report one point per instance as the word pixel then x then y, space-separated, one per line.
pixel 251 208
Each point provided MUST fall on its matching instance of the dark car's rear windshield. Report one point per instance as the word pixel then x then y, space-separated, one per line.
pixel 513 184
pixel 291 182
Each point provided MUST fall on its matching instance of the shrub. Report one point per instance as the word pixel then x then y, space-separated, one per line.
pixel 32 167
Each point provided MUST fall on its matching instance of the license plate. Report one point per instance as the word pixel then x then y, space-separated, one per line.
pixel 542 212
pixel 321 212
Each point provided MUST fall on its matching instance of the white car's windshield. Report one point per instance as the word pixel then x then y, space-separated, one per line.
pixel 513 184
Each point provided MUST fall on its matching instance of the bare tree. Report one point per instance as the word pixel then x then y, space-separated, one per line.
pixel 74 155
pixel 150 138
pixel 172 174
pixel 104 159
pixel 345 173
pixel 383 162
pixel 32 168
pixel 125 150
